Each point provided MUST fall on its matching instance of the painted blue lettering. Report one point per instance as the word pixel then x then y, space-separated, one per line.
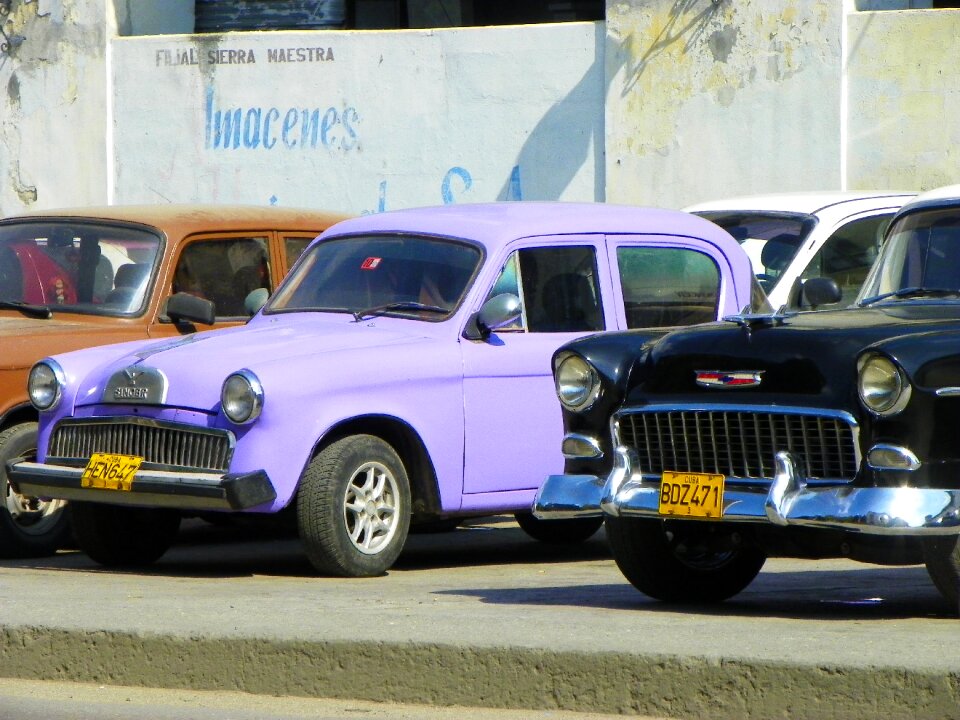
pixel 329 120
pixel 251 128
pixel 289 123
pixel 268 140
pixel 350 116
pixel 311 128
pixel 446 190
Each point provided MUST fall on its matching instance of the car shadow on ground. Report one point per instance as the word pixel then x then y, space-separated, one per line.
pixel 243 549
pixel 864 593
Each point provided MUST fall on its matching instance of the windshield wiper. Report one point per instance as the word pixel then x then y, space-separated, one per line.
pixel 911 292
pixel 402 305
pixel 36 311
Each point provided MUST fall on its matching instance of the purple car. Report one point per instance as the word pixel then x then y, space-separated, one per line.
pixel 400 375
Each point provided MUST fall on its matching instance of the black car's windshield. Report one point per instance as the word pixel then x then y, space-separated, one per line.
pixel 80 267
pixel 412 276
pixel 770 239
pixel 920 259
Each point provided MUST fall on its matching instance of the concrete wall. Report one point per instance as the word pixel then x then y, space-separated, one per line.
pixel 904 99
pixel 670 102
pixel 53 105
pixel 360 121
pixel 709 99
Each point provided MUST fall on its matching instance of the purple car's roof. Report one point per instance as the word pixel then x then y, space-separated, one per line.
pixel 496 223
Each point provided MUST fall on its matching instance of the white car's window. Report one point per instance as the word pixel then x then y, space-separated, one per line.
pixel 557 287
pixel 667 287
pixel 848 254
pixel 421 277
pixel 90 268
pixel 770 239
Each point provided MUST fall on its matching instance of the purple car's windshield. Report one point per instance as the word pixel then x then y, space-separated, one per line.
pixel 79 267
pixel 412 276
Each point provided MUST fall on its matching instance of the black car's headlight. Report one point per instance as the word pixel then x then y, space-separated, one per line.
pixel 577 382
pixel 883 385
pixel 242 397
pixel 45 384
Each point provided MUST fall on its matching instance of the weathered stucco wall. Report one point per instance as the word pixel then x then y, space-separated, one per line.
pixel 710 99
pixel 904 99
pixel 53 105
pixel 361 121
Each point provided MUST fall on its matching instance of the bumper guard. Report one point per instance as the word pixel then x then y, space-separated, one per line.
pixel 788 501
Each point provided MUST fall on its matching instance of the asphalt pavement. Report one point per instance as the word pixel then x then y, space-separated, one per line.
pixel 485 617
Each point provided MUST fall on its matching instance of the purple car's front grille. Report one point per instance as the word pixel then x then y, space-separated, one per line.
pixel 160 444
pixel 740 444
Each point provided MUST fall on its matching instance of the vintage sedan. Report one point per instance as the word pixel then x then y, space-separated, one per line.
pixel 792 237
pixel 810 434
pixel 89 276
pixel 400 374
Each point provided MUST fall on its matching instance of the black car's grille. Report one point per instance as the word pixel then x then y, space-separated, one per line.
pixel 165 445
pixel 740 444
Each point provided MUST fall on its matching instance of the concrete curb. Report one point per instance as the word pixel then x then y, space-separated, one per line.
pixel 441 675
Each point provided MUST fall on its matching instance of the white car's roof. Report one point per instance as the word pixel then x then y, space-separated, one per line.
pixel 803 202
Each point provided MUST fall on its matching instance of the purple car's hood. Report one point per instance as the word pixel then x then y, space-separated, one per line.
pixel 287 350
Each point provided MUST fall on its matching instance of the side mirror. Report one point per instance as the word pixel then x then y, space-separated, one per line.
pixel 496 312
pixel 184 307
pixel 255 300
pixel 821 291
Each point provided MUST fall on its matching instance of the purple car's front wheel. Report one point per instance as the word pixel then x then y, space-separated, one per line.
pixel 353 507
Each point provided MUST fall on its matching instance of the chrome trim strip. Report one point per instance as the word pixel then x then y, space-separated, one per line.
pixel 948 392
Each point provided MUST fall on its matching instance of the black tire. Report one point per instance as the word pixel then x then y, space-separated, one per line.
pixel 558 532
pixel 653 564
pixel 941 555
pixel 29 527
pixel 353 507
pixel 118 536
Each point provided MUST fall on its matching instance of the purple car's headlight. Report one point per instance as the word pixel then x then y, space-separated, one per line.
pixel 242 397
pixel 45 384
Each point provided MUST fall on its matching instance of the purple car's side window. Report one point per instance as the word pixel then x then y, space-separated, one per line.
pixel 667 287
pixel 557 287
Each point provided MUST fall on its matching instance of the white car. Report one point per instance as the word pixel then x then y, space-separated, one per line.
pixel 792 237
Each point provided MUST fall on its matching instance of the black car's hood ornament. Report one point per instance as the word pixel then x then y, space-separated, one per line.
pixel 748 321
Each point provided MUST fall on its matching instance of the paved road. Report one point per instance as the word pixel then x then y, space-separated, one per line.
pixel 485 617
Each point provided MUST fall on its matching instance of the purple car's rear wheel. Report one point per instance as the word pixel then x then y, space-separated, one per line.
pixel 353 507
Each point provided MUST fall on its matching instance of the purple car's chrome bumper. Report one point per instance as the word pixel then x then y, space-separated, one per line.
pixel 787 501
pixel 183 490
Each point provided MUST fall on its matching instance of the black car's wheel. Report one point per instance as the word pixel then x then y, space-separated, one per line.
pixel 661 564
pixel 353 507
pixel 942 558
pixel 558 532
pixel 123 536
pixel 29 526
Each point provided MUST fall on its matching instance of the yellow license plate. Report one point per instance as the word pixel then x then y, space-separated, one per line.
pixel 691 495
pixel 110 472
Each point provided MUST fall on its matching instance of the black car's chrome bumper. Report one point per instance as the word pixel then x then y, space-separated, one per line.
pixel 787 501
pixel 182 490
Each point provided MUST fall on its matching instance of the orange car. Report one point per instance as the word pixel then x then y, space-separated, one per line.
pixel 75 278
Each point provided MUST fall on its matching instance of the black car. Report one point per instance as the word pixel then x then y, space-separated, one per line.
pixel 814 434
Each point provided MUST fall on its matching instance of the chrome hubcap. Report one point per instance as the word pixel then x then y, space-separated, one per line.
pixel 371 508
